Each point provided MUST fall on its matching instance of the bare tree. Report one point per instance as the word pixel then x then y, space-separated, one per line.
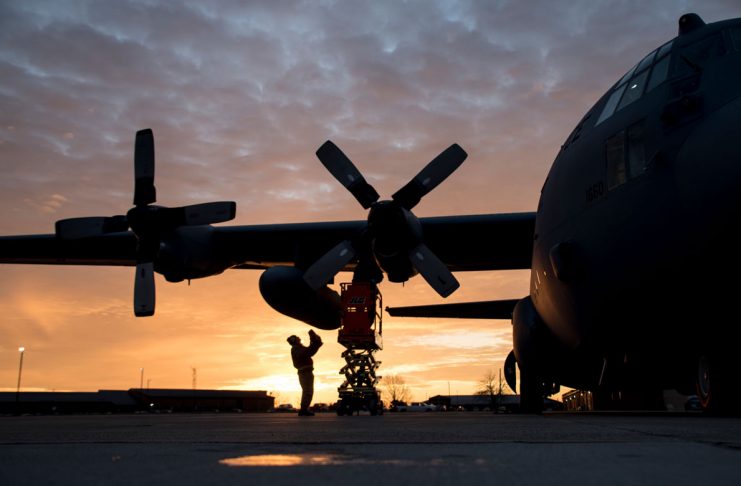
pixel 396 390
pixel 492 386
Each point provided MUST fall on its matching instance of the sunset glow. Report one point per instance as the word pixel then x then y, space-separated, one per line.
pixel 239 97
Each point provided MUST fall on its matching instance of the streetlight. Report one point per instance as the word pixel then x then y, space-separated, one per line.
pixel 21 350
pixel 141 378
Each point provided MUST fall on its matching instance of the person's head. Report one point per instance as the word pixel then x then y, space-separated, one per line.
pixel 293 340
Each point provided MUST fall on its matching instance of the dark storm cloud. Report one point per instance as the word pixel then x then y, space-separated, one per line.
pixel 240 95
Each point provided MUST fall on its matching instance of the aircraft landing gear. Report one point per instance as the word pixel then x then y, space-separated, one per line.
pixel 361 335
pixel 716 384
pixel 531 392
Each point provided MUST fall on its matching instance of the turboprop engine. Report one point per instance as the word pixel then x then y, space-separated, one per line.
pixel 285 290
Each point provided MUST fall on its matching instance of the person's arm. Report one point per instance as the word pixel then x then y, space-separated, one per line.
pixel 315 342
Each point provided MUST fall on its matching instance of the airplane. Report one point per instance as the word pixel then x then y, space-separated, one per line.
pixel 631 249
pixel 633 276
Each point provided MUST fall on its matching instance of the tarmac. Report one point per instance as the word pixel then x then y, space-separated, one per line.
pixel 433 448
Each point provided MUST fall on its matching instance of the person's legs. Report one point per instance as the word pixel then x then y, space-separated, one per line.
pixel 306 379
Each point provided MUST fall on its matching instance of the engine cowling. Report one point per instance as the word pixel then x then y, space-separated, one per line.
pixel 285 290
pixel 188 253
pixel 397 231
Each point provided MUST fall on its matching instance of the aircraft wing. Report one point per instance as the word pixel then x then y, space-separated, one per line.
pixel 117 249
pixel 490 309
pixel 463 243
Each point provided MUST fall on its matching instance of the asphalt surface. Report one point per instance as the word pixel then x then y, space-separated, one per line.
pixel 404 448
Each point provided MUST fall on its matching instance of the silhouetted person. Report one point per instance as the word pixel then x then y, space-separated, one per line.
pixel 302 361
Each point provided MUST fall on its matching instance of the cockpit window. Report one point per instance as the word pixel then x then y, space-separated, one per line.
pixel 659 73
pixel 636 150
pixel 611 104
pixel 640 82
pixel 617 172
pixel 627 75
pixel 634 89
pixel 625 155
pixel 645 62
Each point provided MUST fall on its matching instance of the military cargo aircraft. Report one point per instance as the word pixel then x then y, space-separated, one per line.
pixel 634 276
pixel 632 249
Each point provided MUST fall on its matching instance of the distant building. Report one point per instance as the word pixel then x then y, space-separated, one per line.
pixel 102 401
pixel 185 400
pixel 114 401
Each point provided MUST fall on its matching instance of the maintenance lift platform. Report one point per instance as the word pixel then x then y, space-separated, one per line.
pixel 361 335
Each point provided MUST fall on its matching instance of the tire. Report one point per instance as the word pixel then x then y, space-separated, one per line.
pixel 343 409
pixel 715 385
pixel 373 407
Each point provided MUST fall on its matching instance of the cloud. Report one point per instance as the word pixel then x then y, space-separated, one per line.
pixel 240 96
pixel 462 340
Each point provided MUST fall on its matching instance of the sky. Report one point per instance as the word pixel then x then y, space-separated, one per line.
pixel 239 96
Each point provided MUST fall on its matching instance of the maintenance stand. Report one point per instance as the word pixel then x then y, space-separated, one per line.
pixel 361 335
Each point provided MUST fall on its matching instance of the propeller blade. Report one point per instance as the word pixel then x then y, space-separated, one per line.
pixel 324 269
pixel 144 289
pixel 144 190
pixel 433 270
pixel 430 177
pixel 75 228
pixel 347 174
pixel 209 213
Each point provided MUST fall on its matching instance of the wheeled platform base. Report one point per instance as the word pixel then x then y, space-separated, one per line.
pixel 355 401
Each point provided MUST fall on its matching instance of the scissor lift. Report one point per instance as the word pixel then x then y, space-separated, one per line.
pixel 361 335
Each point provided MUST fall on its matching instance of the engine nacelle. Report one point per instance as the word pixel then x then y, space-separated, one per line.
pixel 285 290
pixel 188 253
pixel 397 266
pixel 397 231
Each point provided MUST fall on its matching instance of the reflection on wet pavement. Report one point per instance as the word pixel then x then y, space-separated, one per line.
pixel 283 460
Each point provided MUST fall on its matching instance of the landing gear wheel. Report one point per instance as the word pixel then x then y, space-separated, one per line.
pixel 715 385
pixel 702 382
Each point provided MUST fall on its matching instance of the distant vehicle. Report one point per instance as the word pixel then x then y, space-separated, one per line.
pixel 320 407
pixel 417 407
pixel 284 407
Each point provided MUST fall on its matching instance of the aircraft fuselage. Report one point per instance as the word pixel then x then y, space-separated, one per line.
pixel 634 257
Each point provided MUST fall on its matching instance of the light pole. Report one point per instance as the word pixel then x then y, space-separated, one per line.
pixel 141 379
pixel 21 350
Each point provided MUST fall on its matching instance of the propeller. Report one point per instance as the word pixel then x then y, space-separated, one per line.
pixel 148 222
pixel 392 227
